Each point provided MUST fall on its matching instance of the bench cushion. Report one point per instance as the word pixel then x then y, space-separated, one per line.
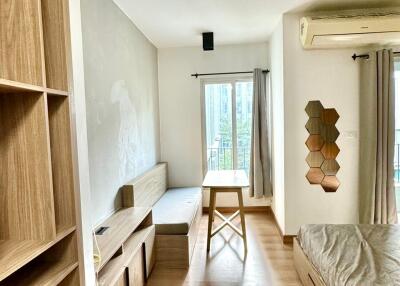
pixel 174 212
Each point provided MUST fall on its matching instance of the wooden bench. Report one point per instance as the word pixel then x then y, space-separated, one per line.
pixel 174 239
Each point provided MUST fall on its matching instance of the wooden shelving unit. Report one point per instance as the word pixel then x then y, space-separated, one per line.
pixel 38 239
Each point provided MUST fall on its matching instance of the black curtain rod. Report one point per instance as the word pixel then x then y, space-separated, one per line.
pixel 366 56
pixel 224 73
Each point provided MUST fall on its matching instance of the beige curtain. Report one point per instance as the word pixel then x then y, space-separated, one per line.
pixel 377 139
pixel 260 166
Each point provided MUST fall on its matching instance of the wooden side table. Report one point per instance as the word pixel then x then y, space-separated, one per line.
pixel 226 182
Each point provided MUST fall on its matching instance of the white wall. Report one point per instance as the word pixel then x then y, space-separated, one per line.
pixel 78 115
pixel 332 77
pixel 180 106
pixel 277 93
pixel 122 102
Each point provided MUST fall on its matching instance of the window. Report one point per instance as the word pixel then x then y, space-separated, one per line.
pixel 397 136
pixel 227 118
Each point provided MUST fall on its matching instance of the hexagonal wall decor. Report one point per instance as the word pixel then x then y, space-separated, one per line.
pixel 330 167
pixel 330 184
pixel 315 176
pixel 329 116
pixel 315 159
pixel 314 143
pixel 314 125
pixel 314 109
pixel 329 133
pixel 322 146
pixel 329 150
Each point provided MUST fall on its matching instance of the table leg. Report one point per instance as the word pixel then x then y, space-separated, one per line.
pixel 214 206
pixel 242 219
pixel 210 217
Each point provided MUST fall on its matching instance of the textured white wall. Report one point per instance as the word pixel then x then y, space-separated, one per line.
pixel 332 77
pixel 180 106
pixel 277 93
pixel 122 102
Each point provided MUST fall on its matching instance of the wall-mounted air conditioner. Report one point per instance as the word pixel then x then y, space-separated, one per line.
pixel 343 31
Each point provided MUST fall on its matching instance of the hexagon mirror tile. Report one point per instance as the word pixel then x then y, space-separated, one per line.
pixel 314 143
pixel 315 176
pixel 321 143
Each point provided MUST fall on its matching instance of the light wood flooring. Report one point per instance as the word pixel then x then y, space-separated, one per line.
pixel 268 262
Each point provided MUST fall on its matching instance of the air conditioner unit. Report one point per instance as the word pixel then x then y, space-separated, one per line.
pixel 343 31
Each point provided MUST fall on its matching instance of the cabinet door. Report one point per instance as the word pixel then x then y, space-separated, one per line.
pixel 136 270
pixel 122 281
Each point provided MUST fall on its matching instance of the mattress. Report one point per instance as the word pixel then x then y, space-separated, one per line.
pixel 353 254
pixel 175 210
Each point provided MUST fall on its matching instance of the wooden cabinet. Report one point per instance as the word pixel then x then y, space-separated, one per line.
pixel 126 248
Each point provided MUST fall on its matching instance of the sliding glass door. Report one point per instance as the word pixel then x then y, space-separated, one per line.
pixel 227 119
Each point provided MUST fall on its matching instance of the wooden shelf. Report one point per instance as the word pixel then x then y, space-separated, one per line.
pixel 15 254
pixel 43 274
pixel 11 87
pixel 56 92
pixel 121 226
pixel 114 268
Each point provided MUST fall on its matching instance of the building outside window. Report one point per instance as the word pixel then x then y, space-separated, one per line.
pixel 227 118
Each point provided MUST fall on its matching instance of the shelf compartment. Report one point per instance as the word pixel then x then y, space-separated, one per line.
pixel 25 179
pixel 61 161
pixel 20 42
pixel 49 268
pixel 16 254
pixel 56 42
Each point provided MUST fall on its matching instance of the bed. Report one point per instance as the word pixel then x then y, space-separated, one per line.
pixel 326 255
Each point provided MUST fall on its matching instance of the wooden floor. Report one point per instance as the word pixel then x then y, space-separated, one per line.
pixel 268 261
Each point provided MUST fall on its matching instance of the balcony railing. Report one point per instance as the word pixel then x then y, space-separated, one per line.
pixel 221 158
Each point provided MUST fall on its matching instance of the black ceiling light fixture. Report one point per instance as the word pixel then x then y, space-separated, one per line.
pixel 208 41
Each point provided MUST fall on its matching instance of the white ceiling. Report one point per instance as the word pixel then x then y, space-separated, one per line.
pixel 179 23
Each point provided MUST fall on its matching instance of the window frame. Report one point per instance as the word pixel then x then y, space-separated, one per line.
pixel 229 80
